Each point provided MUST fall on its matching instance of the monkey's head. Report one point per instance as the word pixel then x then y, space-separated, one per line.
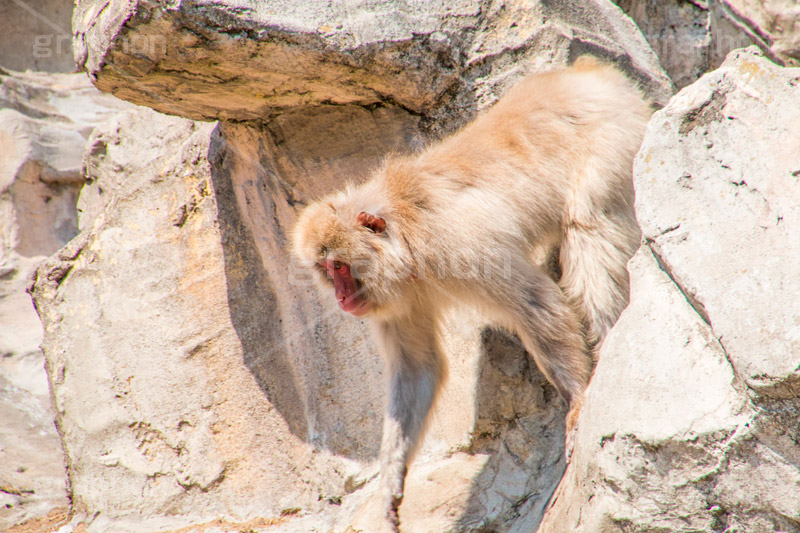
pixel 348 241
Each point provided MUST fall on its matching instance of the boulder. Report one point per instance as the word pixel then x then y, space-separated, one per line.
pixel 241 60
pixel 691 419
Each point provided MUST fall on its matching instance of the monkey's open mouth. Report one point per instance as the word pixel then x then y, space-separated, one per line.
pixel 350 293
pixel 356 306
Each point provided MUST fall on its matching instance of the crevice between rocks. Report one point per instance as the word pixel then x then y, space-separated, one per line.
pixel 690 297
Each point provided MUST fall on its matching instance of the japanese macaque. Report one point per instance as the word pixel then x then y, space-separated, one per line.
pixel 526 213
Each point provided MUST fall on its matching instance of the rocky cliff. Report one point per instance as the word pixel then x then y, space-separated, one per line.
pixel 45 120
pixel 198 380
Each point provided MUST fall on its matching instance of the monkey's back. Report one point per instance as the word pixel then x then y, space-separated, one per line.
pixel 554 151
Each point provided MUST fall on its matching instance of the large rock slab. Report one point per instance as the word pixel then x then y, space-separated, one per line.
pixel 729 236
pixel 159 415
pixel 691 419
pixel 244 60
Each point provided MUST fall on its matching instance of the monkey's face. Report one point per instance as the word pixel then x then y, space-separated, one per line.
pixel 349 291
pixel 352 252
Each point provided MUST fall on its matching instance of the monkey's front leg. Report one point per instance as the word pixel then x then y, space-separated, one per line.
pixel 416 370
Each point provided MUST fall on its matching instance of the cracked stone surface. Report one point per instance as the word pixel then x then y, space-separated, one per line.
pixel 245 60
pixel 693 37
pixel 44 122
pixel 703 367
pixel 735 196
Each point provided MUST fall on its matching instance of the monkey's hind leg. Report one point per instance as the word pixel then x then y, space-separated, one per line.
pixel 528 301
pixel 593 261
pixel 416 372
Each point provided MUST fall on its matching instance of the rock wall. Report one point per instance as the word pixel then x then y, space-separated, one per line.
pixel 198 379
pixel 702 367
pixel 692 38
pixel 44 122
pixel 217 383
pixel 36 35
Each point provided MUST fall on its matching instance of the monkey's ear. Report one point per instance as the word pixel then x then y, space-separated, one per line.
pixel 371 222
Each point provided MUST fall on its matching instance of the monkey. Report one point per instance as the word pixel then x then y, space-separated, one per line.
pixel 474 219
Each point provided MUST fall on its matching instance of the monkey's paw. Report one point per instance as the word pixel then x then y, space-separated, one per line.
pixel 378 514
pixel 571 431
pixel 371 519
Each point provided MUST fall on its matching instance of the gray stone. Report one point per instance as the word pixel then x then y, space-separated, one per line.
pixel 44 122
pixel 690 422
pixel 36 35
pixel 692 38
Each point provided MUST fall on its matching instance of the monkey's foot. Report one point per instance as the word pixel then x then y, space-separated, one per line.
pixel 569 443
pixel 571 431
pixel 374 517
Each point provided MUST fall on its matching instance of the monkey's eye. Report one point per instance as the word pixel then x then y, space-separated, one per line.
pixel 337 265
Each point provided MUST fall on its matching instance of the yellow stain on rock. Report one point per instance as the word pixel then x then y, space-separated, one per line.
pixel 750 69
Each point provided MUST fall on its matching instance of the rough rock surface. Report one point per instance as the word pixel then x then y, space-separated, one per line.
pixel 244 60
pixel 45 120
pixel 36 35
pixel 703 368
pixel 693 37
pixel 195 371
pixel 777 22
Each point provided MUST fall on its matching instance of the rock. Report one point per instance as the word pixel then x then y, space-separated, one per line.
pixel 239 60
pixel 692 38
pixel 778 23
pixel 195 370
pixel 44 122
pixel 743 126
pixel 702 367
pixel 183 397
pixel 36 35
pixel 32 479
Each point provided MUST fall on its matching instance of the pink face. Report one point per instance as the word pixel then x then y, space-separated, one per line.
pixel 350 293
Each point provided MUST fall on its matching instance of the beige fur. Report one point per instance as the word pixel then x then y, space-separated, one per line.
pixel 478 218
